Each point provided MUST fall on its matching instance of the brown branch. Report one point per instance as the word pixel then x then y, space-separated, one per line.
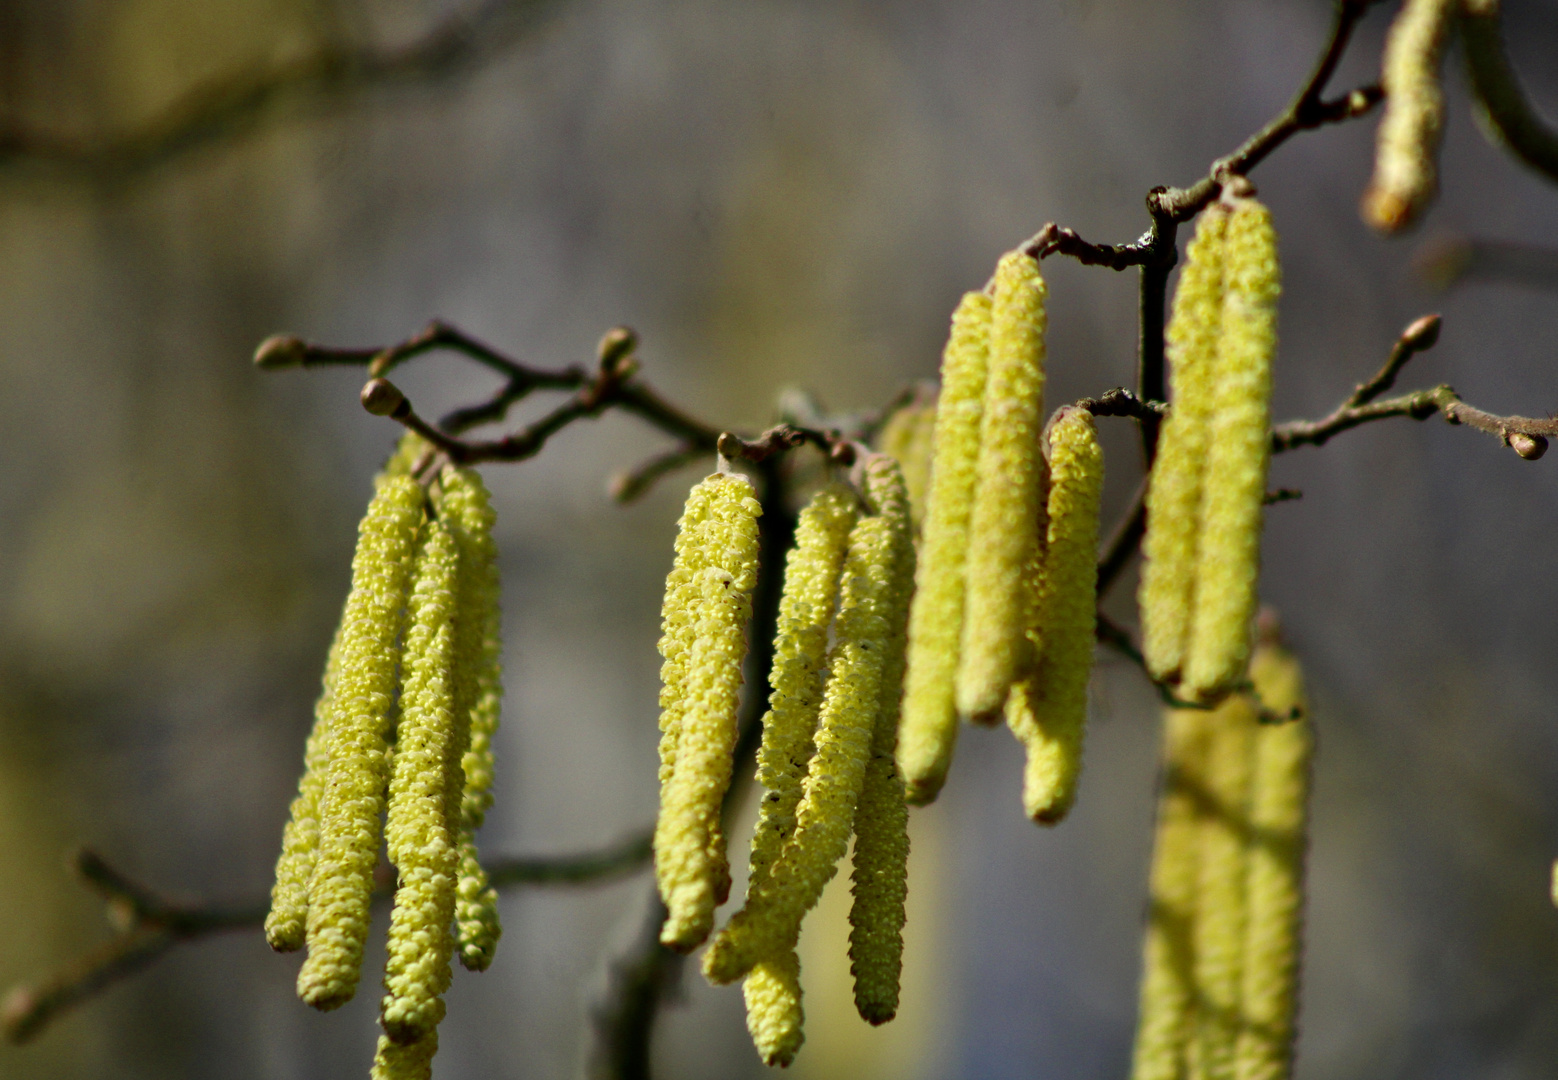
pixel 1526 435
pixel 148 925
pixel 233 105
pixel 1501 102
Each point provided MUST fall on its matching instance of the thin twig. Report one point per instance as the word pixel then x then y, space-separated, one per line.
pixel 1124 540
pixel 1526 435
pixel 1501 101
pixel 149 925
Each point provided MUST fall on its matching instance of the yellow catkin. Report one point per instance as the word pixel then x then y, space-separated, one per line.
pixel 1221 905
pixel 342 881
pixel 811 583
pixel 909 437
pixel 1274 887
pixel 1047 709
pixel 774 1014
pixel 413 1062
pixel 479 690
pixel 421 844
pixel 1234 490
pixel 1407 148
pixel 881 864
pixel 1167 1010
pixel 689 860
pixel 769 924
pixel 1009 498
pixel 1168 572
pixel 287 922
pixel 928 730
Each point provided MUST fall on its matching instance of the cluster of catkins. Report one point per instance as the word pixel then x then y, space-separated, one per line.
pixel 1001 621
pixel 410 704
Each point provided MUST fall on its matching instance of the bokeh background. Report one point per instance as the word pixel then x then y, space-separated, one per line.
pixel 774 193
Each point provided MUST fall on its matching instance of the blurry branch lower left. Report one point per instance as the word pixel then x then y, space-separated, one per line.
pixel 147 924
pixel 230 107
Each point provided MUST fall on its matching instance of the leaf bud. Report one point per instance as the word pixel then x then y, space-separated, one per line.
pixel 280 351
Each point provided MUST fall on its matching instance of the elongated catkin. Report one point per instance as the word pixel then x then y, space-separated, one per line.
pixel 909 437
pixel 689 860
pixel 769 924
pixel 1168 572
pixel 479 694
pixel 928 730
pixel 342 880
pixel 1407 150
pixel 1234 489
pixel 1275 886
pixel 414 1062
pixel 1047 708
pixel 774 1015
pixel 418 834
pixel 1008 499
pixel 881 862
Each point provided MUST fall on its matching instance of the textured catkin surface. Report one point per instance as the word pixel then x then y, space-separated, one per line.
pixel 1228 562
pixel 881 863
pixel 417 834
pixel 1047 708
pixel 414 1062
pixel 769 924
pixel 909 437
pixel 479 701
pixel 1407 145
pixel 1166 1015
pixel 1008 498
pixel 1274 888
pixel 358 772
pixel 774 1016
pixel 928 730
pixel 1168 573
pixel 689 861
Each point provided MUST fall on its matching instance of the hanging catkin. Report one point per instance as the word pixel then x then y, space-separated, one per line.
pixel 1168 573
pixel 479 695
pixel 1008 499
pixel 1234 489
pixel 811 584
pixel 286 924
pixel 342 880
pixel 1275 886
pixel 769 924
pixel 421 843
pixel 689 857
pixel 413 1062
pixel 928 730
pixel 909 437
pixel 1047 708
pixel 1407 151
pixel 881 861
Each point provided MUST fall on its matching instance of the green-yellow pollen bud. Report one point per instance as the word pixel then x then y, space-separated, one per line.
pixel 928 730
pixel 1047 709
pixel 1009 497
pixel 342 880
pixel 690 865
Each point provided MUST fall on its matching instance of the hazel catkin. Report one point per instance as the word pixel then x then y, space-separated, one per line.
pixel 928 729
pixel 342 880
pixel 689 860
pixel 1047 708
pixel 1008 498
pixel 1407 148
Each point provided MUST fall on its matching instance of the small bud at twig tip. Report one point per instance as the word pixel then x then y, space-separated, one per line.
pixel 615 346
pixel 280 351
pixel 1529 447
pixel 1423 334
pixel 382 398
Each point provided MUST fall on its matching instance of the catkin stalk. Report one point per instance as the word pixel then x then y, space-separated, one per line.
pixel 1274 887
pixel 1008 499
pixel 1168 573
pixel 769 924
pixel 479 691
pixel 1234 490
pixel 1047 708
pixel 928 730
pixel 342 881
pixel 689 857
pixel 420 842
pixel 1407 149
pixel 881 864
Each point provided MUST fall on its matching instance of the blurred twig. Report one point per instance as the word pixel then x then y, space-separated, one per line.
pixel 226 108
pixel 1501 103
pixel 1449 260
pixel 149 925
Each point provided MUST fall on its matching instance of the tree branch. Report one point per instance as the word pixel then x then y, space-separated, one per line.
pixel 1502 106
pixel 231 106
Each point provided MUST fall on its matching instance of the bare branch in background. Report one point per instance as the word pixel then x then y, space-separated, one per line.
pixel 1502 107
pixel 1450 260
pixel 235 105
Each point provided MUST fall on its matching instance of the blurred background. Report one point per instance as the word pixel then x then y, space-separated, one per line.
pixel 774 193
